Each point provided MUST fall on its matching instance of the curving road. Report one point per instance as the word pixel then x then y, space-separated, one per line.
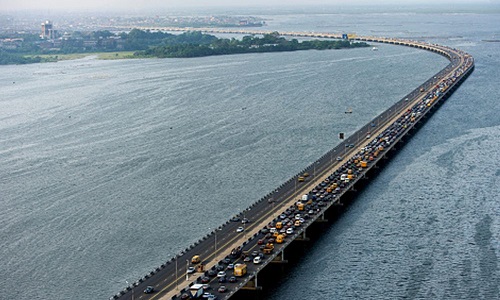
pixel 170 278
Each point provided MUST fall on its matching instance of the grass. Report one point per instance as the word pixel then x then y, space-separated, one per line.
pixel 100 55
pixel 115 55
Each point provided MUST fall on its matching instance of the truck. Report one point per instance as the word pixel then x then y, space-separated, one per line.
pixel 268 248
pixel 196 290
pixel 305 198
pixel 239 270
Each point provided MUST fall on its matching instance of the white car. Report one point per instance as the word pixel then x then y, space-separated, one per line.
pixel 289 231
pixel 240 229
pixel 257 260
pixel 221 274
pixel 190 270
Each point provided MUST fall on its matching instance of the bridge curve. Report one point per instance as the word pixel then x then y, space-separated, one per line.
pixel 358 155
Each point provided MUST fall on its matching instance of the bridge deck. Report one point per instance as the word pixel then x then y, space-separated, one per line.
pixel 170 279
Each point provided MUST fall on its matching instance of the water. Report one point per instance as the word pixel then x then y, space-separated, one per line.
pixel 109 168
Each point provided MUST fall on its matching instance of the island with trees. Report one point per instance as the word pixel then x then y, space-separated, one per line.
pixel 28 48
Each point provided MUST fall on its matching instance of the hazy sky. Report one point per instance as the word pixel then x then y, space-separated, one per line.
pixel 151 4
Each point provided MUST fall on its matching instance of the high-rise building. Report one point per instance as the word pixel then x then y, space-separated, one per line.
pixel 48 31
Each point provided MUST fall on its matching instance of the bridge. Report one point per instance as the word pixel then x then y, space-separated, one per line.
pixel 329 183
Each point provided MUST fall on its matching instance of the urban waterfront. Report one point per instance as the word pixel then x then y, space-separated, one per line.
pixel 110 168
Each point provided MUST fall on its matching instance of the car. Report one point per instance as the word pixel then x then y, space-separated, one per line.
pixel 339 158
pixel 232 279
pixel 235 219
pixel 219 268
pixel 185 296
pixel 226 260
pixel 261 241
pixel 190 270
pixel 255 253
pixel 240 229
pixel 257 260
pixel 222 289
pixel 149 289
pixel 206 286
pixel 247 259
pixel 205 279
pixel 289 231
pixel 212 297
pixel 245 220
pixel 212 273
pixel 222 279
pixel 221 274
pixel 230 266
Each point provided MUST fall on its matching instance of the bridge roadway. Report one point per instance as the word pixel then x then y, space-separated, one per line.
pixel 170 279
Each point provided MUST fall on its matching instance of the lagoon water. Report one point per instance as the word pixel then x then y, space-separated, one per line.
pixel 109 168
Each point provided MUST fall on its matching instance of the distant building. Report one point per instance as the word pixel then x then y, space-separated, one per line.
pixel 48 31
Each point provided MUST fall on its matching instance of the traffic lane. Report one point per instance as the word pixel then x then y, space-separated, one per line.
pixel 260 209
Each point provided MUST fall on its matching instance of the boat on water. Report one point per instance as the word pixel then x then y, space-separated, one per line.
pixel 374 49
pixel 348 111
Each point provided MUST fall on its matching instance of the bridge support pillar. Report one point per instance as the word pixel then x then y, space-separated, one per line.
pixel 302 237
pixel 321 219
pixel 252 284
pixel 280 259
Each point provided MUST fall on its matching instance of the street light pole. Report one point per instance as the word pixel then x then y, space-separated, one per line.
pixel 244 224
pixel 295 189
pixel 176 273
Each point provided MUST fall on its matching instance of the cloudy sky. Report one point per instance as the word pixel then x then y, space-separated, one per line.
pixel 151 4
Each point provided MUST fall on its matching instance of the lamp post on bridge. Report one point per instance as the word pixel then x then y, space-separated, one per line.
pixel 215 241
pixel 314 172
pixel 176 273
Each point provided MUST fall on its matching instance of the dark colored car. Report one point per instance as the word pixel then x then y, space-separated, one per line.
pixel 212 273
pixel 232 279
pixel 205 279
pixel 222 279
pixel 149 289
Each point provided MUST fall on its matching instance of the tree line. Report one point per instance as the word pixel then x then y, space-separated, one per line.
pixel 148 43
pixel 248 44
